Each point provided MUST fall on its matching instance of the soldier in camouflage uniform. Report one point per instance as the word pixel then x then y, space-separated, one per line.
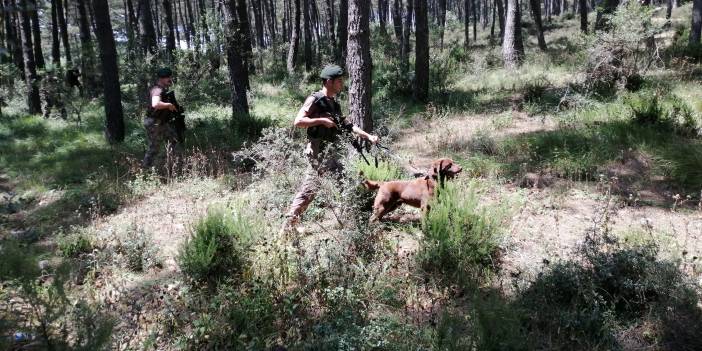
pixel 52 95
pixel 323 147
pixel 158 118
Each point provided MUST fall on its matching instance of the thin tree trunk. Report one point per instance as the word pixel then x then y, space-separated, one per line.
pixel 170 31
pixel 331 31
pixel 406 36
pixel 359 64
pixel 696 28
pixel 191 25
pixel 36 32
pixel 114 121
pixel 244 26
pixel 669 9
pixel 512 46
pixel 30 68
pixel 382 15
pixel 421 84
pixel 466 24
pixel 148 33
pixel 583 16
pixel 258 17
pixel 55 41
pixel 64 30
pixel 536 14
pixel 397 20
pixel 475 11
pixel 308 34
pixel 343 29
pixel 294 38
pixel 442 22
pixel 238 73
pixel 501 18
pixel 88 66
pixel 14 40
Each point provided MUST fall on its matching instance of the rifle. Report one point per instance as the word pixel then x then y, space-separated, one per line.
pixel 176 117
pixel 347 130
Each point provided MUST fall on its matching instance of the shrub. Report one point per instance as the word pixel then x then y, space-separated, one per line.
pixel 461 239
pixel 138 250
pixel 216 248
pixel 384 171
pixel 74 244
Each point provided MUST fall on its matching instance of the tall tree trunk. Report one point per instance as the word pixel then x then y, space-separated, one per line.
pixel 512 46
pixel 343 30
pixel 186 30
pixel 170 31
pixel 397 20
pixel 669 9
pixel 14 40
pixel 475 12
pixel 244 26
pixel 55 41
pixel 466 24
pixel 258 17
pixel 146 24
pixel 191 25
pixel 114 120
pixel 696 28
pixel 583 15
pixel 536 14
pixel 34 17
pixel 501 18
pixel 238 73
pixel 359 64
pixel 421 84
pixel 382 15
pixel 30 68
pixel 64 30
pixel 308 34
pixel 273 21
pixel 88 66
pixel 294 38
pixel 331 30
pixel 442 22
pixel 406 36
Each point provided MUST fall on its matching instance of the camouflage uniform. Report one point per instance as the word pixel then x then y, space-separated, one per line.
pixel 323 153
pixel 159 129
pixel 51 96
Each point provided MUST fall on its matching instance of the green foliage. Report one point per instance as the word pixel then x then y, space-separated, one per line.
pixel 74 243
pixel 461 237
pixel 385 170
pixel 138 250
pixel 217 247
pixel 667 111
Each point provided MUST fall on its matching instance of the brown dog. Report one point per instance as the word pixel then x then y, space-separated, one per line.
pixel 416 193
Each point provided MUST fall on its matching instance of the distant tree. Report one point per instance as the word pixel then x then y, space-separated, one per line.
pixel 243 16
pixel 536 14
pixel 421 84
pixel 583 15
pixel 36 31
pixel 149 43
pixel 308 34
pixel 696 28
pixel 397 20
pixel 13 35
pixel 343 30
pixel 30 68
pixel 330 18
pixel 466 24
pixel 294 38
pixel 358 62
pixel 406 48
pixel 88 66
pixel 60 12
pixel 55 42
pixel 114 120
pixel 442 22
pixel 238 70
pixel 501 18
pixel 170 29
pixel 512 45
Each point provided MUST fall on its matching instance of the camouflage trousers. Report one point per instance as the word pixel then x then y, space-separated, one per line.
pixel 318 166
pixel 158 132
pixel 51 101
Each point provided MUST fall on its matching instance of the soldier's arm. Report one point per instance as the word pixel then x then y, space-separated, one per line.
pixel 156 102
pixel 362 133
pixel 302 120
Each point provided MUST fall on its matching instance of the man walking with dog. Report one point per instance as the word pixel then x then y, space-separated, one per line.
pixel 321 116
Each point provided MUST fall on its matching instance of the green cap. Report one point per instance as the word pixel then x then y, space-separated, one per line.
pixel 164 72
pixel 331 72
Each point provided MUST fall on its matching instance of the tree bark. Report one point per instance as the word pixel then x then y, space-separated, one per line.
pixel 466 24
pixel 383 15
pixel 512 46
pixel 501 18
pixel 36 32
pixel 114 120
pixel 359 64
pixel 343 30
pixel 146 24
pixel 245 29
pixel 696 28
pixel 170 31
pixel 397 20
pixel 308 34
pixel 442 22
pixel 55 41
pixel 30 68
pixel 14 40
pixel 536 14
pixel 421 84
pixel 238 72
pixel 60 11
pixel 331 30
pixel 294 38
pixel 475 12
pixel 87 53
pixel 583 15
pixel 404 55
pixel 258 17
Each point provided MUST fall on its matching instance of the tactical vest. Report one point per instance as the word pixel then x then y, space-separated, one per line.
pixel 163 115
pixel 324 107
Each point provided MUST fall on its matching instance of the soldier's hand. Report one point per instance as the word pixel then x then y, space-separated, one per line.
pixel 172 107
pixel 373 139
pixel 327 122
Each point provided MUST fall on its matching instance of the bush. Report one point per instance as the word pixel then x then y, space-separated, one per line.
pixel 217 247
pixel 383 172
pixel 74 244
pixel 138 250
pixel 461 239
